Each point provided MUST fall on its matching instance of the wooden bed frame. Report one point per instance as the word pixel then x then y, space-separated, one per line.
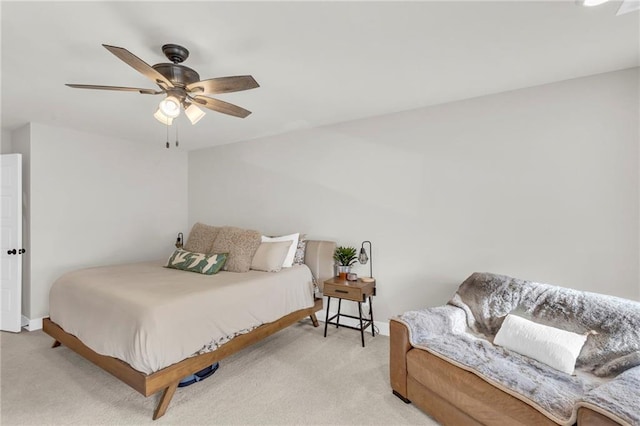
pixel 167 379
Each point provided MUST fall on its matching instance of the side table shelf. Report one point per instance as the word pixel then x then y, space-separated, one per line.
pixel 356 291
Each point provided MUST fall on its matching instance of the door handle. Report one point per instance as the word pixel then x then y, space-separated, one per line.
pixel 11 251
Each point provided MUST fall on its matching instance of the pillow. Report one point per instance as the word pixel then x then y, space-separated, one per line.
pixel 288 261
pixel 201 238
pixel 298 257
pixel 241 244
pixel 552 346
pixel 269 256
pixel 207 264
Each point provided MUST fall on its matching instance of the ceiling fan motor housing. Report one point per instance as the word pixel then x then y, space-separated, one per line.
pixel 178 75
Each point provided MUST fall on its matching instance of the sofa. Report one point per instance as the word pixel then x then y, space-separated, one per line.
pixel 447 362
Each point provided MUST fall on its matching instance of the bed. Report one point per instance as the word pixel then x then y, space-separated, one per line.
pixel 151 326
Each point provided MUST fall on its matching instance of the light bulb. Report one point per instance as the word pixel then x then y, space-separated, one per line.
pixel 194 113
pixel 170 106
pixel 162 118
pixel 363 258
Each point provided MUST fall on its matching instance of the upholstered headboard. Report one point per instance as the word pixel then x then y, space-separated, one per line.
pixel 319 258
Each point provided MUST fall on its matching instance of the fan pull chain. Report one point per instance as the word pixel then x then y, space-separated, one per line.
pixel 167 135
pixel 177 143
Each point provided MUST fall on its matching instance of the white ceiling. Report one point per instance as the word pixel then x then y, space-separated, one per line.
pixel 317 62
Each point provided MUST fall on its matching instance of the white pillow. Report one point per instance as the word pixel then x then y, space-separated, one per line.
pixel 555 347
pixel 288 261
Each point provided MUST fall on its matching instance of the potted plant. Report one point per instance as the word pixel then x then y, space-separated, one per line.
pixel 344 257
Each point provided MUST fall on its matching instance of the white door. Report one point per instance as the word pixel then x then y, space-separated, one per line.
pixel 11 236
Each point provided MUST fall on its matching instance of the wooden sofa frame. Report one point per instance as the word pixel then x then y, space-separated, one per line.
pixel 167 379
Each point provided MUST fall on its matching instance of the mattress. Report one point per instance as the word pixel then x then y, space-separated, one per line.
pixel 151 317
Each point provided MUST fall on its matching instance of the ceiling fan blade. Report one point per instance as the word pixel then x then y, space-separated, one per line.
pixel 628 6
pixel 139 65
pixel 118 88
pixel 224 84
pixel 221 106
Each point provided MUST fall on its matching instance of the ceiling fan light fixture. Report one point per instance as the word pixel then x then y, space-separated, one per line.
pixel 170 106
pixel 193 113
pixel 158 115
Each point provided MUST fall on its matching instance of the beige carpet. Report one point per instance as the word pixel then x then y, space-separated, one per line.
pixel 294 377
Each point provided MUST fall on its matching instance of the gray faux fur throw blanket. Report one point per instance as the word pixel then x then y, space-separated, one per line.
pixel 608 367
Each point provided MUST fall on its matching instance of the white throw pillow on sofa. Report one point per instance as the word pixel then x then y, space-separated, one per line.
pixel 555 347
pixel 288 261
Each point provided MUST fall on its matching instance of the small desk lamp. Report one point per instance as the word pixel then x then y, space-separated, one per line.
pixel 363 258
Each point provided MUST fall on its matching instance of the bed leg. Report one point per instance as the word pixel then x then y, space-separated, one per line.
pixel 314 320
pixel 55 344
pixel 165 400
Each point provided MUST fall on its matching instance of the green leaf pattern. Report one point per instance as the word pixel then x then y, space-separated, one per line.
pixel 201 263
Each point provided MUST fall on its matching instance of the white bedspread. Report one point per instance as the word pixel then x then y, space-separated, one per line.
pixel 151 317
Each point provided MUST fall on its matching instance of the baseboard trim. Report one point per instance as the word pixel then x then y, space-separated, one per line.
pixel 382 326
pixel 31 324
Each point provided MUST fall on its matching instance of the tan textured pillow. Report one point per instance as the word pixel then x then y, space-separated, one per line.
pixel 270 256
pixel 241 244
pixel 201 238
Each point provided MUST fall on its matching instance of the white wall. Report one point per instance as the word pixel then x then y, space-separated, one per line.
pixel 540 183
pixel 97 200
pixel 5 142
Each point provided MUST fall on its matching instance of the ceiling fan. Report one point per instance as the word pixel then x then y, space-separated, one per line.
pixel 181 84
